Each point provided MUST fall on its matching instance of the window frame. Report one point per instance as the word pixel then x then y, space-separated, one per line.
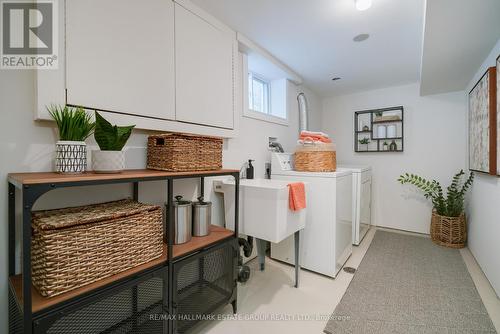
pixel 266 100
pixel 249 113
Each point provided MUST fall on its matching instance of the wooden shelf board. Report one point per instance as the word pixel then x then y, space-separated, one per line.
pixel 51 177
pixel 40 303
pixel 388 121
pixel 217 234
pixel 388 138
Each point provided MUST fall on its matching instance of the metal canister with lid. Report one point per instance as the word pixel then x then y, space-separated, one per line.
pixel 182 220
pixel 202 215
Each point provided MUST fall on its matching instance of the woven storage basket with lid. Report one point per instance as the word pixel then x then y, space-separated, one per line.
pixel 315 158
pixel 178 152
pixel 73 247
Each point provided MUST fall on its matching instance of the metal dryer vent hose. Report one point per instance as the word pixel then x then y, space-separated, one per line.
pixel 303 112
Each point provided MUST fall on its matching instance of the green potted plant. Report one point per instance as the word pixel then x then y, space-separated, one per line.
pixel 74 126
pixel 111 140
pixel 364 141
pixel 385 147
pixel 448 217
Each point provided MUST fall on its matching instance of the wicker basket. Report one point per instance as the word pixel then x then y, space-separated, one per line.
pixel 315 158
pixel 176 152
pixel 77 246
pixel 449 231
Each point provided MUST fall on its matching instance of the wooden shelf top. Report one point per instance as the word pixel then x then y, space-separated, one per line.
pixel 50 177
pixel 217 234
pixel 40 303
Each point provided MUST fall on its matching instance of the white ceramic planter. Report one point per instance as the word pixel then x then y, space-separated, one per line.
pixel 108 161
pixel 71 157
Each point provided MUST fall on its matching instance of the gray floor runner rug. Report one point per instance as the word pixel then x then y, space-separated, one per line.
pixel 406 284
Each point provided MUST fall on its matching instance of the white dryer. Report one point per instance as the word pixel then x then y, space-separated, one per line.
pixel 361 200
pixel 326 241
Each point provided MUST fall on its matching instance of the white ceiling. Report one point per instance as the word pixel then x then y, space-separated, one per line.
pixel 459 35
pixel 314 38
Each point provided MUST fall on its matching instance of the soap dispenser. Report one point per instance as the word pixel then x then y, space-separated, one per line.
pixel 249 174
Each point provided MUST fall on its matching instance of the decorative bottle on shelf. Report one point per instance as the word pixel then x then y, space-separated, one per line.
pixel 393 146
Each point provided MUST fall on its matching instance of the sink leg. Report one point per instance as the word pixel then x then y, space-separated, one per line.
pixel 234 304
pixel 297 258
pixel 261 253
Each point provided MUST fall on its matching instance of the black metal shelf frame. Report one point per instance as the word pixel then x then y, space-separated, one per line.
pixel 373 122
pixel 31 193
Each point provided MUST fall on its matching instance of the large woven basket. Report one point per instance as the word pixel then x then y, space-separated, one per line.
pixel 449 231
pixel 177 152
pixel 77 246
pixel 315 158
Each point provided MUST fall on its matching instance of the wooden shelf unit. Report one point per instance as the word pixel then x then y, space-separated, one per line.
pixel 33 185
pixel 40 302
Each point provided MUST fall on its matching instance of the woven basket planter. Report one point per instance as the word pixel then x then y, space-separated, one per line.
pixel 74 247
pixel 315 158
pixel 449 231
pixel 176 152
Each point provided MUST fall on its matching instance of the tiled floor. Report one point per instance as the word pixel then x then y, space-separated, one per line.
pixel 268 302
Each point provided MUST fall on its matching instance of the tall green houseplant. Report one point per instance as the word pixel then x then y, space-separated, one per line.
pixel 451 204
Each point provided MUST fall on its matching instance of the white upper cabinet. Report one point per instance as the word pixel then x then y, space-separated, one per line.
pixel 204 52
pixel 120 56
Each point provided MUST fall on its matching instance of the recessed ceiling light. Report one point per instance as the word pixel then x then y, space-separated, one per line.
pixel 363 4
pixel 361 37
pixel 336 78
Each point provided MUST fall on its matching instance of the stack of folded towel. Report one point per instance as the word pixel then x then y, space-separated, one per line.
pixel 314 138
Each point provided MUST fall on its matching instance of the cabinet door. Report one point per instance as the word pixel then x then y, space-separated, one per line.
pixel 204 71
pixel 120 56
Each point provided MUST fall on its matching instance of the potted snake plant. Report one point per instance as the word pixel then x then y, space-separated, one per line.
pixel 448 225
pixel 111 140
pixel 74 126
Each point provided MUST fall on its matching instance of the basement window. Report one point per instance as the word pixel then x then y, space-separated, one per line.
pixel 259 93
pixel 265 90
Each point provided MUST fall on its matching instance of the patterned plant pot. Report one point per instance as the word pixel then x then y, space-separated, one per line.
pixel 71 157
pixel 448 231
pixel 108 161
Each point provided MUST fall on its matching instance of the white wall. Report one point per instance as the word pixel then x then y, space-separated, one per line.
pixel 435 137
pixel 26 145
pixel 484 211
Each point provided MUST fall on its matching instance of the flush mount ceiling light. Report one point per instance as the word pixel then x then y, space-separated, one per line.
pixel 363 4
pixel 361 37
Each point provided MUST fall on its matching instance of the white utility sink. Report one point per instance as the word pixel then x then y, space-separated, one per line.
pixel 264 211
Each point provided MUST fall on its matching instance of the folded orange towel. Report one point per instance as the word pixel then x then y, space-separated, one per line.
pixel 296 196
pixel 315 138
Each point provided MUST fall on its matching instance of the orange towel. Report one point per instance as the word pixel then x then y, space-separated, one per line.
pixel 296 196
pixel 314 138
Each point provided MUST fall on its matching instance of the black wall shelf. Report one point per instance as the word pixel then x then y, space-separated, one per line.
pixel 373 119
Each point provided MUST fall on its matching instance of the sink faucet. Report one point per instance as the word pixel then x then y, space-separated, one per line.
pixel 276 147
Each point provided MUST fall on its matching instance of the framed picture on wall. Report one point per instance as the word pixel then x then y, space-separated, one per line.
pixel 483 124
pixel 498 114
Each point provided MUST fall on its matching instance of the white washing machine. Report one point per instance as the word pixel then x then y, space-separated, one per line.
pixel 361 200
pixel 326 241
